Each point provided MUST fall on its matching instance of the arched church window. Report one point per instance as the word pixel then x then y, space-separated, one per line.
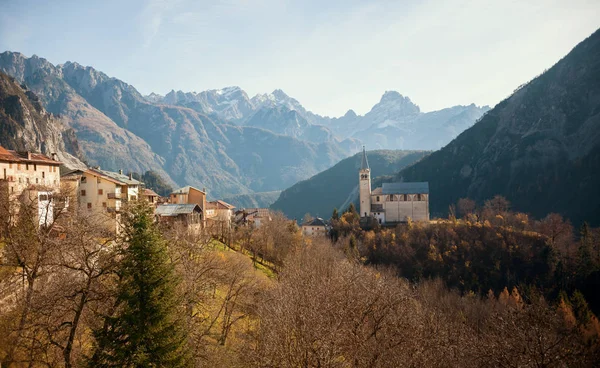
pixel 391 197
pixel 377 198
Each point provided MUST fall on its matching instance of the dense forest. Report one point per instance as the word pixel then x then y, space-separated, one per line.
pixel 482 290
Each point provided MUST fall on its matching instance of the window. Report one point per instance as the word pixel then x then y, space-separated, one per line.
pixel 104 204
pixel 43 197
pixel 405 197
pixel 12 189
pixel 27 180
pixel 83 180
pixel 391 197
pixel 89 206
pixel 26 167
pixel 20 180
pixel 18 166
pixel 43 175
pixel 98 180
pixel 100 191
pixel 133 198
pixel 83 195
pixel 10 165
pixel 34 167
pixel 377 198
pixel 36 181
pixel 418 197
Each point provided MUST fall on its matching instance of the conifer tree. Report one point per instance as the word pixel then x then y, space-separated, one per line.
pixel 335 215
pixel 145 330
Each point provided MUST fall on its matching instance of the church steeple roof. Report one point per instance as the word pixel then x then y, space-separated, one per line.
pixel 365 163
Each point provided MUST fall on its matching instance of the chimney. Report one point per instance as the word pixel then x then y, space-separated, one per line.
pixel 28 155
pixel 53 154
pixel 204 190
pixel 121 171
pixel 130 176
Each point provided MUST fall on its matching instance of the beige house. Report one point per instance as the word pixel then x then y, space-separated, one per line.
pixel 30 177
pixel 151 196
pixel 220 211
pixel 133 187
pixel 315 227
pixel 392 202
pixel 98 194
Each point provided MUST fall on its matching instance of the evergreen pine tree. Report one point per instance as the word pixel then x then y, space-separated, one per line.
pixel 335 215
pixel 145 330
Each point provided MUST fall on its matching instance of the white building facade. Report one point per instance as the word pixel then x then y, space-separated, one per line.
pixel 392 202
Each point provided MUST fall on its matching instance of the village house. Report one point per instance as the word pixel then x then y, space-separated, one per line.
pixel 315 227
pixel 133 187
pixel 189 195
pixel 392 203
pixel 31 178
pixel 187 215
pixel 99 194
pixel 219 211
pixel 150 196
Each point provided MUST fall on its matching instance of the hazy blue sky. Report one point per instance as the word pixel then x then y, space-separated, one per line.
pixel 330 55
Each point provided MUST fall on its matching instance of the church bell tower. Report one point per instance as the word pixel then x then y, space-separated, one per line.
pixel 364 186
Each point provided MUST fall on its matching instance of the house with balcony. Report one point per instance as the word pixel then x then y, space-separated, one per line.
pixel 133 188
pixel 98 194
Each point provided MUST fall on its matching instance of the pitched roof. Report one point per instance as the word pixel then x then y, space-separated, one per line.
pixel 150 193
pixel 26 157
pixel 186 190
pixel 177 209
pixel 315 222
pixel 120 177
pixel 219 204
pixel 101 174
pixel 405 188
pixel 364 163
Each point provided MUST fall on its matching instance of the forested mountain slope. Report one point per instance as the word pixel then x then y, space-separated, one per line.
pixel 540 148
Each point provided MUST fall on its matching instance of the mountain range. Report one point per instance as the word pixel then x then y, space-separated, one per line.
pixel 539 148
pixel 395 122
pixel 219 139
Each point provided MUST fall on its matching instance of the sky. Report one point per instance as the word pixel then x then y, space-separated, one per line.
pixel 330 55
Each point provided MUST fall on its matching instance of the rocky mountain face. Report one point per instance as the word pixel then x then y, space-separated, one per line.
pixel 396 122
pixel 540 148
pixel 393 123
pixel 120 129
pixel 337 187
pixel 26 126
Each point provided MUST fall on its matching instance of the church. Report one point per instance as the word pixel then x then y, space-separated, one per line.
pixel 392 203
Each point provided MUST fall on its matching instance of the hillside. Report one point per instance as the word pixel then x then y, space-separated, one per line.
pixel 25 125
pixel 120 129
pixel 540 148
pixel 334 187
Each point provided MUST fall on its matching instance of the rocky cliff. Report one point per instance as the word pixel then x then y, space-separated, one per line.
pixel 26 126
